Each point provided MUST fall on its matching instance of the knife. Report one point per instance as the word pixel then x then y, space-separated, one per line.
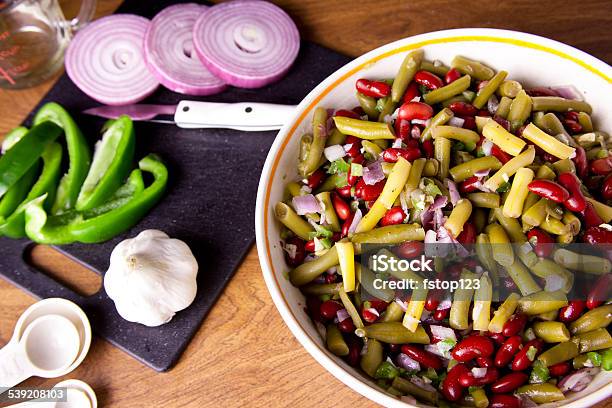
pixel 245 116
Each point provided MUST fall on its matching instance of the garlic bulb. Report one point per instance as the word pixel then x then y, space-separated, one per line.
pixel 151 277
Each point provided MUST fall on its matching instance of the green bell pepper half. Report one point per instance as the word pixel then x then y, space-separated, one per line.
pixel 75 227
pixel 12 137
pixel 18 192
pixel 78 152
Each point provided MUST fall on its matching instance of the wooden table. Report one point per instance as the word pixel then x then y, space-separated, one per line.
pixel 243 353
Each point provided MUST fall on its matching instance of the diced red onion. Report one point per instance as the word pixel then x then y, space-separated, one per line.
pixel 568 92
pixel 168 51
pixel 492 104
pixel 487 146
pixel 432 348
pixel 306 204
pixel 479 372
pixel 312 257
pixel 333 153
pixel 527 402
pixel 482 173
pixel 456 121
pixel 388 118
pixel 397 143
pixel 373 173
pixel 415 132
pixel 332 270
pixel 576 381
pixel 445 304
pixel 419 382
pixel 403 305
pixel 408 399
pixel 356 219
pixel 246 43
pixel 430 237
pixel 438 218
pixel 443 332
pixel 342 315
pixel 542 91
pixel 407 363
pixel 452 191
pixel 373 311
pixel 427 218
pixel 347 147
pixel 291 250
pixel 439 202
pixel 479 185
pixel 419 122
pixel 105 60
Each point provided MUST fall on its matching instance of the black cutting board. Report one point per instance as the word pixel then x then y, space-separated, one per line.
pixel 210 202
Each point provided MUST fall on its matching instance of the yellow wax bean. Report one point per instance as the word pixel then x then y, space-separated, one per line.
pixel 547 142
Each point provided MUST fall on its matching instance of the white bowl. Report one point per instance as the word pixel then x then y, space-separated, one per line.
pixel 532 60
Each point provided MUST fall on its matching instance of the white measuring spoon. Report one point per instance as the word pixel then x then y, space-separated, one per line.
pixel 49 346
pixel 78 395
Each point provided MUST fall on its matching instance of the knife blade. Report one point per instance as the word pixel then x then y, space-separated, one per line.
pixel 245 116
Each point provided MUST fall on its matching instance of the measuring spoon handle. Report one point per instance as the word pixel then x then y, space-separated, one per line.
pixel 14 366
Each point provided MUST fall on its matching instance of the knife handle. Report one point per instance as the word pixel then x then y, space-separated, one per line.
pixel 245 116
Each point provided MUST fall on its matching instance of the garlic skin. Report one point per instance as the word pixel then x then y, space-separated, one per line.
pixel 151 277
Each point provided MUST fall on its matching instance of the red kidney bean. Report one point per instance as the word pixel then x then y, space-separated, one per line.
pixel 359 110
pixel 347 224
pixel 541 91
pixel 503 122
pixel 343 210
pixel 606 190
pixel 509 383
pixel 415 110
pixel 542 242
pixel 468 235
pixel 393 216
pixel 336 236
pixel 368 316
pixel 428 80
pixel 309 246
pixel 344 191
pixel 424 357
pixel 598 235
pixel 484 362
pixel 313 307
pixel 581 162
pixel 378 304
pixel 350 178
pixel 433 299
pixel 463 108
pixel 472 347
pixel 368 192
pixel 602 167
pixel 590 216
pixel 549 189
pixel 515 324
pixel 392 154
pixel 600 292
pixel 571 115
pixel 504 401
pixel 428 148
pixel 572 311
pixel 355 149
pixel 507 351
pixel 484 112
pixel 441 314
pixel 521 361
pixel 450 387
pixel 452 75
pixel 354 355
pixel 347 114
pixel 412 143
pixel 315 179
pixel 500 154
pixel 468 186
pixel 509 283
pixel 410 249
pixel 559 369
pixel 468 380
pixel 572 125
pixel 497 338
pixel 403 128
pixel 359 159
pixel 374 89
pixel 300 252
pixel 331 278
pixel 576 201
pixel 329 308
pixel 411 92
pixel 468 122
pixel 346 326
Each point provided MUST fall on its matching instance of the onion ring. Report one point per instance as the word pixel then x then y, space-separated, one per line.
pixel 106 62
pixel 168 51
pixel 246 43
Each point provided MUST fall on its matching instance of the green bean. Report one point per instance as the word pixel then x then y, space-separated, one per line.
pixel 504 107
pixel 331 182
pixel 319 138
pixel 564 166
pixel 458 98
pixel 564 351
pixel 593 319
pixel 442 153
pixel 584 263
pixel 465 136
pixel 291 220
pixel 481 121
pixel 520 109
pixel 580 361
pixel 387 109
pixel 557 104
pixel 485 256
pixel 541 393
pixel 319 289
pixel 542 302
pixel 409 67
pixel 475 69
pixel 371 148
pixel 458 318
pixel 391 234
pixel 503 313
pixel 364 129
pixel 522 278
pixel 439 119
pixel 393 333
pixel 402 274
pixel 458 217
pixel 466 170
pixel 407 387
pixel 330 213
pixel 585 121
pixel 511 226
pixel 489 89
pixel 368 104
pixel 382 143
pixel 548 316
pixel 452 89
pixel 335 342
pixel 305 142
pixel 509 89
pixel 414 177
pixel 500 245
pixel 551 332
pixel 335 138
pixel 366 277
pixel 394 391
pixel 545 268
pixel 293 189
pixel 536 214
pixel 372 357
pixel 394 313
pixel 572 222
pixel 432 168
pixel 309 271
pixel 484 200
pixel 606 360
pixel 480 397
pixel 598 339
pixel 531 199
pixel 545 172
pixel 440 69
pixel 552 125
pixel 350 308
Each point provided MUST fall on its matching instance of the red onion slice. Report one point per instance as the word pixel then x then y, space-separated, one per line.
pixel 246 43
pixel 169 54
pixel 106 62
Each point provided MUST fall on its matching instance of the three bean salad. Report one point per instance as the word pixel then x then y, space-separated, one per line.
pixel 516 179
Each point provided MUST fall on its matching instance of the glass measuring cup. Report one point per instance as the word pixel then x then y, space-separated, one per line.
pixel 33 37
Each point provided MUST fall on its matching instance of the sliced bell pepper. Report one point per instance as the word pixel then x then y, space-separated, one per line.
pixel 18 192
pixel 132 187
pixel 12 137
pixel 111 164
pixel 72 228
pixel 78 152
pixel 25 153
pixel 13 226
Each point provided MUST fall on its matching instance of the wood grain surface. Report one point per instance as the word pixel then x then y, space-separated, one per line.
pixel 244 354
